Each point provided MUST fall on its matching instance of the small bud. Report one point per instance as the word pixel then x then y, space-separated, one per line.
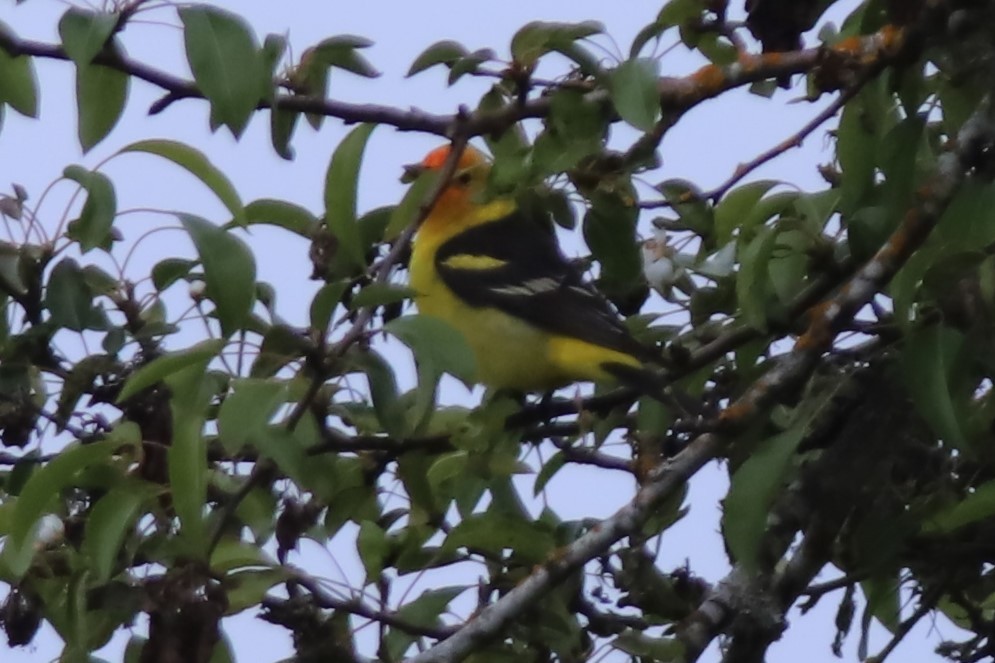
pixel 196 290
pixel 50 531
pixel 659 268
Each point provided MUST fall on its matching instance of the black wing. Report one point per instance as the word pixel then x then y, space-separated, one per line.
pixel 521 271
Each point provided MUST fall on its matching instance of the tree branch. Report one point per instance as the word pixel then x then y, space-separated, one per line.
pixel 794 140
pixel 675 93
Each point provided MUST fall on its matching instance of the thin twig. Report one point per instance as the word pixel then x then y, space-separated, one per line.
pixel 356 607
pixel 794 140
pixel 817 591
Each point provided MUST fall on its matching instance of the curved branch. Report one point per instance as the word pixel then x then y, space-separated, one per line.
pixel 675 93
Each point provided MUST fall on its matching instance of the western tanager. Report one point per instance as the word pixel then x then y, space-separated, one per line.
pixel 498 276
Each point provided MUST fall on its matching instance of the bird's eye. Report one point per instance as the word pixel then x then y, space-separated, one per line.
pixel 463 178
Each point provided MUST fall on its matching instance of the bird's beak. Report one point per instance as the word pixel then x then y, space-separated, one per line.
pixel 411 172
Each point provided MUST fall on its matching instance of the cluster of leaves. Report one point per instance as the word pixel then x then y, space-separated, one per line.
pixel 186 458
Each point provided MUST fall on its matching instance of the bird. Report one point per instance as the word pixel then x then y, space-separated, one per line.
pixel 495 272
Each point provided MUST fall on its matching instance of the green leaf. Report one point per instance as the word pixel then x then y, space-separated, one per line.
pixel 199 166
pixel 929 360
pixel 648 33
pixel 282 214
pixel 10 268
pixel 99 281
pixel 899 164
pixel 107 525
pixel 977 505
pixel 157 370
pixel 246 589
pixel 341 182
pixel 752 280
pixel 680 12
pixel 737 207
pixel 754 486
pixel 387 405
pixel 93 227
pixel 856 151
pixel 548 471
pixel 883 601
pixel 866 229
pixel 324 303
pixel 686 200
pixel 424 611
pixel 232 554
pixel 373 548
pixel 281 345
pixel 373 224
pixel 610 232
pixel 438 346
pixel 445 469
pixel 248 410
pixel 229 271
pixel 282 124
pixel 340 52
pixel 767 208
pixel 222 651
pixel 496 532
pixel 537 38
pixel 575 129
pixel 716 48
pixel 167 272
pixel 80 380
pixel 101 93
pixel 788 267
pixel 469 64
pixel 85 33
pixel 18 83
pixel 226 63
pixel 133 651
pixel 406 211
pixel 635 92
pixel 187 455
pixel 966 223
pixel 441 52
pixel 40 491
pixel 274 47
pixel 644 647
pixel 69 300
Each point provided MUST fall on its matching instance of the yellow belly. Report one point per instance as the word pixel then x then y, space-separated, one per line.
pixel 511 353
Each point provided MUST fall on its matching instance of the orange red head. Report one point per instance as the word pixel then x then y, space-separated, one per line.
pixel 437 158
pixel 464 191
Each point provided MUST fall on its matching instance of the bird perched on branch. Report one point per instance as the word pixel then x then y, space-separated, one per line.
pixel 496 274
